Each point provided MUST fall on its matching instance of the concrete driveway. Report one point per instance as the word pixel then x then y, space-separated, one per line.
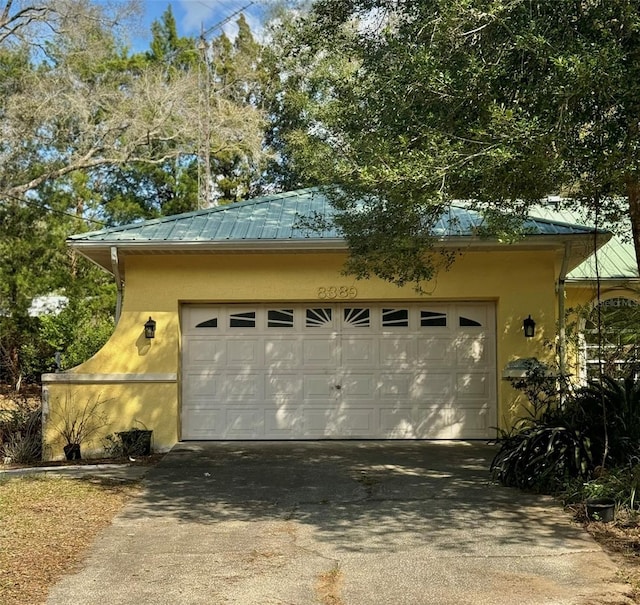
pixel 338 523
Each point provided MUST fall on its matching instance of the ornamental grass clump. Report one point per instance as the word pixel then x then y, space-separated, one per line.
pixel 21 432
pixel 77 424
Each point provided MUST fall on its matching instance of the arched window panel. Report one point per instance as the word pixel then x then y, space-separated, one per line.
pixel 612 339
pixel 245 319
pixel 433 319
pixel 318 317
pixel 280 318
pixel 395 318
pixel 209 323
pixel 357 317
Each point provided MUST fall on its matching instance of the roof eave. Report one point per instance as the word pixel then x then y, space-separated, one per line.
pixel 98 252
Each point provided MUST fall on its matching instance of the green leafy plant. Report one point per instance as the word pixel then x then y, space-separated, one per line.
pixel 609 410
pixel 541 456
pixel 592 428
pixel 620 484
pixel 112 446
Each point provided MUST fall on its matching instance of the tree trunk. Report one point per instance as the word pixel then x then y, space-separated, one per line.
pixel 633 195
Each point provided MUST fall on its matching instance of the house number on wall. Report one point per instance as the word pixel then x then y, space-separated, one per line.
pixel 330 292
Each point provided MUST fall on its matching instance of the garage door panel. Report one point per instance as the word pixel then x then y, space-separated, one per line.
pixel 359 352
pixel 358 386
pixel 243 353
pixel 435 350
pixel 342 370
pixel 432 386
pixel 339 422
pixel 203 352
pixel 283 352
pixel 244 422
pixel 247 388
pixel 405 422
pixel 399 351
pixel 319 351
pixel 436 422
pixel 395 386
pixel 282 387
pixel 198 421
pixel 284 421
pixel 319 387
pixel 472 385
pixel 202 384
pixel 475 351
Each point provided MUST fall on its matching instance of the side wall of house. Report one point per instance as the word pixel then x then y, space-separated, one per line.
pixel 581 299
pixel 137 380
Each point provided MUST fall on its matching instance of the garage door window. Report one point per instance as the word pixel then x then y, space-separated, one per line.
pixel 355 317
pixel 280 318
pixel 433 319
pixel 209 323
pixel 397 318
pixel 319 317
pixel 465 322
pixel 242 320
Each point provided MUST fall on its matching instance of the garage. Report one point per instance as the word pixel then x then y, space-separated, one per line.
pixel 339 370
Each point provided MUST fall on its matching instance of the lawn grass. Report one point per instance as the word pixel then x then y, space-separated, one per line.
pixel 46 524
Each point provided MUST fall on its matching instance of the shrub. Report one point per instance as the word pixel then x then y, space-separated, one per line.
pixel 620 484
pixel 609 410
pixel 542 456
pixel 21 432
pixel 596 426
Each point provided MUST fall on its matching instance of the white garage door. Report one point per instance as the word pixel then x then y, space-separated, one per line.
pixel 349 370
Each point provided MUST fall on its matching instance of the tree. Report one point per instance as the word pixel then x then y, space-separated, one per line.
pixel 233 73
pixel 91 135
pixel 411 105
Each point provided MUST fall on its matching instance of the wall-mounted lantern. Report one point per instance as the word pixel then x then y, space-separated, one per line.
pixel 529 327
pixel 150 328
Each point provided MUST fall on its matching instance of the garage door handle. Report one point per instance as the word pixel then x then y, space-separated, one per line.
pixel 338 387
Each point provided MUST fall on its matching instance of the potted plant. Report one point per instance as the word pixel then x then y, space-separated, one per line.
pixel 77 424
pixel 136 441
pixel 599 499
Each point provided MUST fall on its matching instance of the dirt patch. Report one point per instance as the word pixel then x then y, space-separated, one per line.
pixel 621 541
pixel 329 587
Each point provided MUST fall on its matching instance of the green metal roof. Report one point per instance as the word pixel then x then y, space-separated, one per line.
pixel 616 259
pixel 277 222
pixel 278 217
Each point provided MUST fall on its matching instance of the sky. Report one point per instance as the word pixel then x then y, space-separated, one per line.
pixel 192 16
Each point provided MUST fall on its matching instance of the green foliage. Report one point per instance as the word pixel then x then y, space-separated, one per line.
pixel 620 484
pixel 614 404
pixel 596 427
pixel 421 103
pixel 542 453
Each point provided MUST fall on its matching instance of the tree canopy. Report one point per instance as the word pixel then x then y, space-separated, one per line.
pixel 95 135
pixel 412 104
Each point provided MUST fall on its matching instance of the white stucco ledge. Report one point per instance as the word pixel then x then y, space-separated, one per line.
pixel 71 378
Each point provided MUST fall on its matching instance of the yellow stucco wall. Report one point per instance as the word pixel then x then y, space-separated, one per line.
pixel 519 282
